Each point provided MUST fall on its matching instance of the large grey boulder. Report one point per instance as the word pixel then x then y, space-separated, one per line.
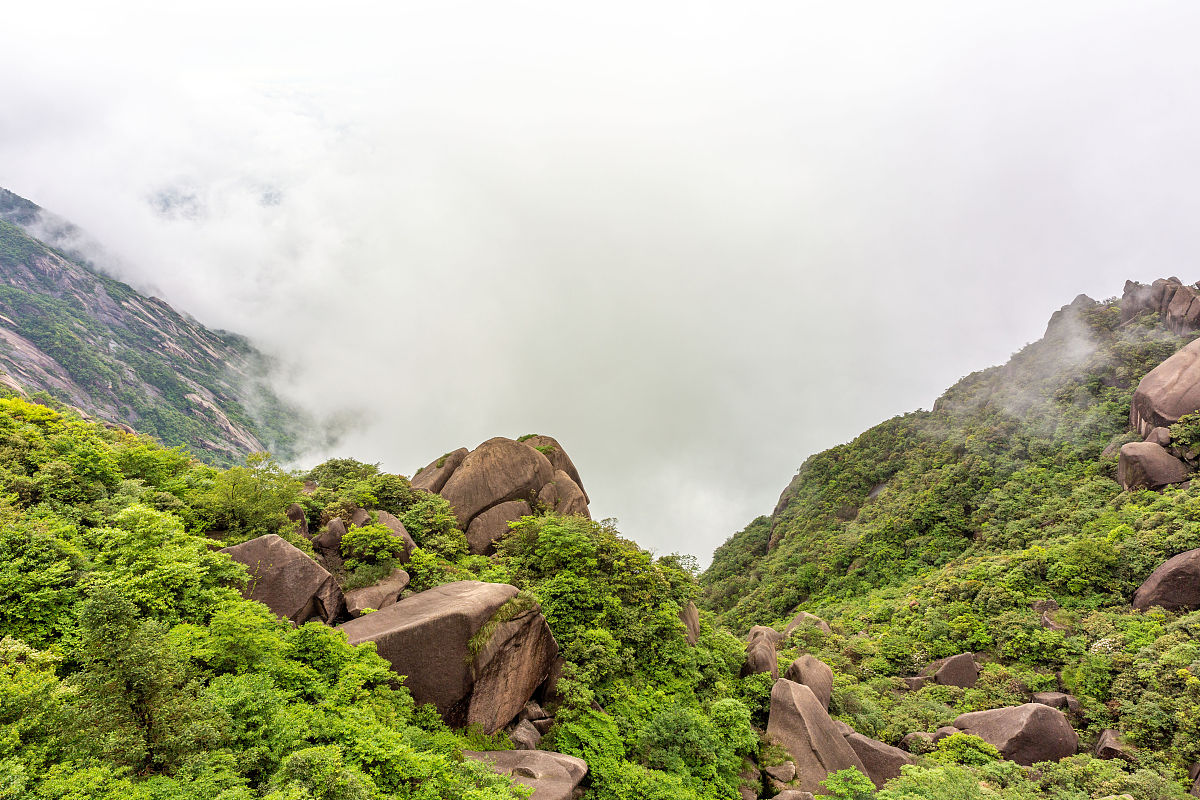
pixel 431 637
pixel 563 496
pixel 1168 392
pixel 553 776
pixel 1146 465
pixel 805 618
pixel 297 516
pixel 882 761
pixel 380 595
pixel 760 651
pixel 434 476
pixel 1175 585
pixel 497 471
pixel 330 537
pixel 959 670
pixel 390 522
pixel 492 525
pixel 801 725
pixel 1025 734
pixel 552 450
pixel 1112 745
pixel 813 673
pixel 287 581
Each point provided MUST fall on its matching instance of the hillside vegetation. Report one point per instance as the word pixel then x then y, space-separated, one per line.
pixel 936 532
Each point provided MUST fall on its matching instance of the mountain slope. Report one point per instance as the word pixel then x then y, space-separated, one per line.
pixel 96 344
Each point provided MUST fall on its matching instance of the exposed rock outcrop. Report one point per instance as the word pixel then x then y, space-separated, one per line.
pixel 1025 734
pixel 551 449
pixel 760 651
pixel 381 595
pixel 1168 392
pixel 553 776
pixel 959 670
pixel 296 515
pixel 462 651
pixel 813 673
pixel 799 723
pixel 1112 745
pixel 287 581
pixel 398 530
pixel 563 496
pixel 1146 465
pixel 330 537
pixel 492 525
pixel 497 471
pixel 434 476
pixel 805 618
pixel 1175 585
pixel 882 761
pixel 1059 700
pixel 689 615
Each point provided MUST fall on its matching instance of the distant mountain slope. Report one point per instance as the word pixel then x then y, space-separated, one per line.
pixel 94 343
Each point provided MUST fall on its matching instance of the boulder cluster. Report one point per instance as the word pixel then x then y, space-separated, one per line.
pixel 501 481
pixel 481 653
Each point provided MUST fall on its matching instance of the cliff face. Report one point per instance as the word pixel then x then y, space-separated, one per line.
pixel 96 344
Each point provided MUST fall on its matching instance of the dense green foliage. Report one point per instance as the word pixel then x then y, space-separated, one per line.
pixel 935 532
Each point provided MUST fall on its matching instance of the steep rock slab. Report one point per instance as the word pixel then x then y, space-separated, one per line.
pixel 330 537
pixel 492 525
pixel 1112 745
pixel 689 615
pixel 288 582
pixel 383 594
pixel 434 476
pixel 1025 734
pixel 429 638
pixel 497 471
pixel 1148 465
pixel 883 762
pixel 760 651
pixel 1168 391
pixel 813 673
pixel 563 496
pixel 959 670
pixel 1175 585
pixel 553 776
pixel 552 450
pixel 803 728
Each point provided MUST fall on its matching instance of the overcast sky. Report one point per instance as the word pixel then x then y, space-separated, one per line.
pixel 697 242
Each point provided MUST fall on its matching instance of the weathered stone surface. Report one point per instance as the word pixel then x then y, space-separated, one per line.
pixel 799 723
pixel 497 471
pixel 492 525
pixel 1160 437
pixel 842 728
pixel 782 772
pixel 383 594
pixel 1168 391
pixel 1060 700
pixel 558 458
pixel 805 618
pixel 794 794
pixel 690 617
pixel 525 736
pixel 913 684
pixel 532 711
pixel 433 477
pixel 1175 585
pixel 398 530
pixel 553 776
pixel 287 581
pixel 760 651
pixel 959 670
pixel 295 514
pixel 943 732
pixel 1149 466
pixel 1025 734
pixel 917 741
pixel 813 673
pixel 330 537
pixel 427 638
pixel 1112 745
pixel 563 496
pixel 882 761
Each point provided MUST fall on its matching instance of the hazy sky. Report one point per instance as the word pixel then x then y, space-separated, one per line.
pixel 695 241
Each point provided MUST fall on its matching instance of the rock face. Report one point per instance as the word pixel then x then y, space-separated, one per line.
pixel 813 673
pixel 882 761
pixel 1168 391
pixel 1025 734
pixel 288 582
pixel 433 477
pixel 398 530
pixel 553 776
pixel 381 595
pixel 551 449
pixel 760 651
pixel 497 471
pixel 295 514
pixel 429 638
pixel 959 670
pixel 1149 466
pixel 804 728
pixel 492 525
pixel 805 618
pixel 1059 700
pixel 1175 585
pixel 1111 745
pixel 563 496
pixel 690 617
pixel 330 538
